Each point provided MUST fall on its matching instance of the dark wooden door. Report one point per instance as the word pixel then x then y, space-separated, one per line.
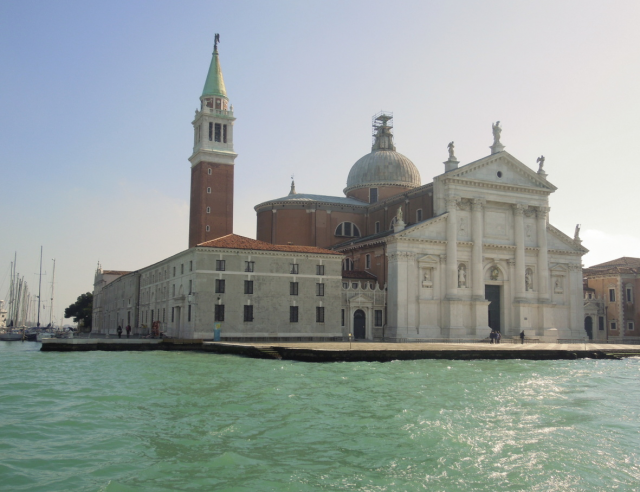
pixel 492 294
pixel 359 330
pixel 588 327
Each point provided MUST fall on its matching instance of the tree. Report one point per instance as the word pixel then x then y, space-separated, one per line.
pixel 81 309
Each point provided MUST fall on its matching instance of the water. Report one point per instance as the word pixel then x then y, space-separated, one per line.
pixel 156 421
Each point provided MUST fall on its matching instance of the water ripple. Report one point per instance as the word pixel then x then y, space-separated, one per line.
pixel 119 422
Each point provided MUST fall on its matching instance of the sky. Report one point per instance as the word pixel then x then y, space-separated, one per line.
pixel 97 99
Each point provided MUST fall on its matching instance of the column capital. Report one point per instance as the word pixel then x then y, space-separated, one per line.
pixel 518 209
pixel 452 202
pixel 477 204
pixel 541 212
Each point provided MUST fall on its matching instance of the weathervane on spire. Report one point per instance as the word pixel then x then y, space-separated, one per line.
pixel 216 40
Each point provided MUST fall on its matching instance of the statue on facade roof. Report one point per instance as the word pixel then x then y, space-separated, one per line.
pixel 495 127
pixel 576 234
pixel 451 147
pixel 399 215
pixel 541 162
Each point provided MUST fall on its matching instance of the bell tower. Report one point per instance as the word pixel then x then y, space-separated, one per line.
pixel 212 161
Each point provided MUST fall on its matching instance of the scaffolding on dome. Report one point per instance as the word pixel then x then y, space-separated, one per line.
pixel 383 118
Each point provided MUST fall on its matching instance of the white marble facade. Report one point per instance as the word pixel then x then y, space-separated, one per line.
pixel 490 229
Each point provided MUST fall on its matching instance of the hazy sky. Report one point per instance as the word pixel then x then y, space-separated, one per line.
pixel 97 99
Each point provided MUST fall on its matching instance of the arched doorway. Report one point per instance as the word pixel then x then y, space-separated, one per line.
pixel 588 327
pixel 359 325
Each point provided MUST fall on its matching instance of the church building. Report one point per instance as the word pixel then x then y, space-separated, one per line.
pixel 469 252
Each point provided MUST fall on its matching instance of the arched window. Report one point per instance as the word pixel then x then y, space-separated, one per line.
pixel 348 229
pixel 347 264
pixel 209 171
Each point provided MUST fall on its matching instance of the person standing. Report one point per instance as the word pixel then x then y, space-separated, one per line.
pixel 498 336
pixel 522 337
pixel 128 328
pixel 119 330
pixel 492 336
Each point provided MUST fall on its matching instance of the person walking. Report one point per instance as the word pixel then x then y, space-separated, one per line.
pixel 498 336
pixel 119 330
pixel 128 328
pixel 492 336
pixel 522 337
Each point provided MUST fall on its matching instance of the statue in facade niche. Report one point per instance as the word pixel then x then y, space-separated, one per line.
pixel 495 273
pixel 495 127
pixel 528 280
pixel 462 276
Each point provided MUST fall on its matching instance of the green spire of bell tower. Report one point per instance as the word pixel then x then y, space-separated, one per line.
pixel 214 85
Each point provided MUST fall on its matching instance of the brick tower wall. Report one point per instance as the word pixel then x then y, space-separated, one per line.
pixel 220 201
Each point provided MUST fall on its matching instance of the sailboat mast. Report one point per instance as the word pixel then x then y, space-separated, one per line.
pixel 39 287
pixel 53 279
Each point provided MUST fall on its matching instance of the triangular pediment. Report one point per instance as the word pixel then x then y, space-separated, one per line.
pixel 434 229
pixel 558 240
pixel 501 170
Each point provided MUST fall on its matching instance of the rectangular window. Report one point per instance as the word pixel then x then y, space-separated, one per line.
pixel 248 313
pixel 294 268
pixel 319 289
pixel 152 315
pixel 613 326
pixel 377 227
pixel 601 323
pixel 189 313
pixel 181 268
pixel 219 312
pixel 293 288
pixel 612 295
pixel 248 266
pixel 319 269
pixel 319 314
pixel 173 289
pixel 630 326
pixel 342 317
pixel 220 286
pixel 419 215
pixel 210 131
pixel 373 195
pixel 190 287
pixel 174 271
pixel 367 261
pixel 163 314
pixel 220 265
pixel 190 265
pixel 378 320
pixel 224 133
pixel 248 286
pixel 629 297
pixel 293 314
pixel 173 314
pixel 218 132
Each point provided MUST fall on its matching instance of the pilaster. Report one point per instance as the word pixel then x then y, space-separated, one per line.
pixel 452 247
pixel 518 216
pixel 477 218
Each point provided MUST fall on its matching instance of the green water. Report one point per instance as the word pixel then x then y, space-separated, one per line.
pixel 133 421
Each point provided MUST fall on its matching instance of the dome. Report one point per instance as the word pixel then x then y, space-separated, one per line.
pixel 383 168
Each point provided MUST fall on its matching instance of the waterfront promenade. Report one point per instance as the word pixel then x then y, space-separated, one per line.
pixel 354 351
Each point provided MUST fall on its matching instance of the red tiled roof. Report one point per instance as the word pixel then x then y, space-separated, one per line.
pixel 358 274
pixel 233 241
pixel 625 261
pixel 114 272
